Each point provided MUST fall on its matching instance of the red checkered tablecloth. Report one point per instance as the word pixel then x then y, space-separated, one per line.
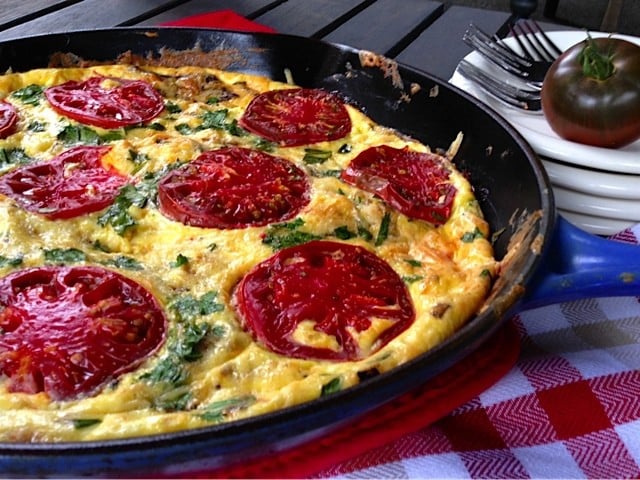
pixel 569 408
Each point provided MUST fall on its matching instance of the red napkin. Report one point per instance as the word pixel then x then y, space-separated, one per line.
pixel 409 413
pixel 223 19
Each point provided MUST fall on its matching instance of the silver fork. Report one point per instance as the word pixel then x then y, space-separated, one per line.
pixel 508 94
pixel 531 64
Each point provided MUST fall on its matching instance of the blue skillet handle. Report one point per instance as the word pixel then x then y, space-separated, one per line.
pixel 581 265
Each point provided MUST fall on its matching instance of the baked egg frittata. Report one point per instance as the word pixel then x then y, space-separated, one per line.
pixel 187 246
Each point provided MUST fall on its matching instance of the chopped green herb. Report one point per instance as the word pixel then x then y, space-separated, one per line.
pixel 158 127
pixel 184 129
pixel 332 387
pixel 216 411
pixel 314 156
pixel 213 100
pixel 113 135
pixel 172 107
pixel 36 126
pixel 343 233
pixel 469 237
pixel 364 233
pixel 80 423
pixel 10 157
pixel 180 261
pixel 485 273
pixel 412 278
pixel 283 235
pixel 99 246
pixel 125 262
pixel 212 246
pixel 79 134
pixel 61 256
pixel 383 231
pixel 138 158
pixel 174 399
pixel 345 148
pixel 215 119
pixel 265 145
pixel 29 95
pixel 10 262
pixel 189 308
pixel 413 263
pixel 139 195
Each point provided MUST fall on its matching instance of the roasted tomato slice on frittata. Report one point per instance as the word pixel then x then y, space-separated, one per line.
pixel 92 102
pixel 414 183
pixel 233 188
pixel 68 330
pixel 8 119
pixel 72 184
pixel 298 116
pixel 323 300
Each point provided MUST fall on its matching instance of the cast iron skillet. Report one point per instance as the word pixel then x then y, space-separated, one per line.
pixel 510 183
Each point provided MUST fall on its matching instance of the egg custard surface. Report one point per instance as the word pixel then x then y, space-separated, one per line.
pixel 181 247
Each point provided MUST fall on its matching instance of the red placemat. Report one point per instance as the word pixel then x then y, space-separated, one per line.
pixel 223 19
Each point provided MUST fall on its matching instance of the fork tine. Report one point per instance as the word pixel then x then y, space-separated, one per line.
pixel 556 51
pixel 530 43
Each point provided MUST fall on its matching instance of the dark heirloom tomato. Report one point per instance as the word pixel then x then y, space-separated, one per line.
pixel 130 103
pixel 297 116
pixel 339 287
pixel 233 188
pixel 414 183
pixel 68 330
pixel 591 94
pixel 8 119
pixel 73 183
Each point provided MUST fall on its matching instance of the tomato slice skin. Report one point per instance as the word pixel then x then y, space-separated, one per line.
pixel 233 187
pixel 73 183
pixel 69 330
pixel 132 102
pixel 297 116
pixel 8 119
pixel 414 183
pixel 341 287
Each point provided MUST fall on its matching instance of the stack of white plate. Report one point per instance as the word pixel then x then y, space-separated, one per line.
pixel 597 189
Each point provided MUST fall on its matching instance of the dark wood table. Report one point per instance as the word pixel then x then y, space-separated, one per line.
pixel 424 34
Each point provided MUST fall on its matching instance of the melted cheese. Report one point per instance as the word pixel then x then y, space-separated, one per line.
pixel 448 278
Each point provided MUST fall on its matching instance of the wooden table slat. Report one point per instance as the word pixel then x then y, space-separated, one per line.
pixel 385 25
pixel 247 8
pixel 18 11
pixel 310 17
pixel 88 14
pixel 440 47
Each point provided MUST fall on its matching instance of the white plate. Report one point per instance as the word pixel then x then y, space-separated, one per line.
pixel 603 184
pixel 596 225
pixel 612 208
pixel 537 131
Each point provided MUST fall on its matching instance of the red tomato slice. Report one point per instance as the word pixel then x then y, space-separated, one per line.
pixel 233 188
pixel 297 116
pixel 73 183
pixel 131 103
pixel 8 119
pixel 338 286
pixel 416 184
pixel 68 330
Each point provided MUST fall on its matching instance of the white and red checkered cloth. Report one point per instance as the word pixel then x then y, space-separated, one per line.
pixel 569 407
